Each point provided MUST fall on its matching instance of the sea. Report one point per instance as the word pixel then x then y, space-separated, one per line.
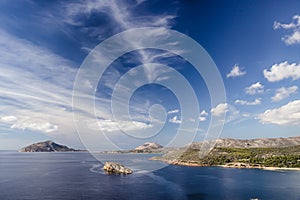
pixel 79 175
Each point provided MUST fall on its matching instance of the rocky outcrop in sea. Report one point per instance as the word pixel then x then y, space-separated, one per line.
pixel 113 167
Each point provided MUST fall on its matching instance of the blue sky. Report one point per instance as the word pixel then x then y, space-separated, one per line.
pixel 254 44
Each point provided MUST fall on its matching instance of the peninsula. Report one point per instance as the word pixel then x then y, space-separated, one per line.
pixel 255 153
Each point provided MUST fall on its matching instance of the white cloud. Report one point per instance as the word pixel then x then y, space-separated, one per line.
pixel 248 103
pixel 235 71
pixel 256 88
pixel 175 120
pixel 220 109
pixel 282 71
pixel 203 113
pixel 35 125
pixel 294 24
pixel 294 27
pixel 173 111
pixel 246 115
pixel 288 114
pixel 8 118
pixel 283 93
pixel 113 126
pixel 202 116
pixel 122 17
pixel 36 89
pixel 36 84
pixel 294 38
pixel 202 119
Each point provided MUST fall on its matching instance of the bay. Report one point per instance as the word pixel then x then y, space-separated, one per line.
pixel 78 175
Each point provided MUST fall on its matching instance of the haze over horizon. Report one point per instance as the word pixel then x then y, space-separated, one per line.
pixel 255 46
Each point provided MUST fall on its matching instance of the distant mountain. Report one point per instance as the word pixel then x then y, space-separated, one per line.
pixel 252 143
pixel 47 146
pixel 148 146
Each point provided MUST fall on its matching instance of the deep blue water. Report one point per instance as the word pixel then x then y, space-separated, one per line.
pixel 78 175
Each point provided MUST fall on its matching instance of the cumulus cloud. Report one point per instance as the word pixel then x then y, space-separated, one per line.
pixel 282 71
pixel 293 27
pixel 175 120
pixel 202 116
pixel 173 111
pixel 220 109
pixel 288 114
pixel 248 103
pixel 294 38
pixel 235 71
pixel 203 113
pixel 256 88
pixel 283 93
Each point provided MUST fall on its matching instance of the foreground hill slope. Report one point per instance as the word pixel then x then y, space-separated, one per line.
pixel 273 152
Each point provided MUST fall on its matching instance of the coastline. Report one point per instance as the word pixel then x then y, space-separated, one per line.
pixel 228 165
pixel 247 166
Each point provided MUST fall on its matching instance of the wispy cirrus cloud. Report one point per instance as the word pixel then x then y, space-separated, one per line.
pixel 36 83
pixel 173 111
pixel 36 89
pixel 36 86
pixel 120 16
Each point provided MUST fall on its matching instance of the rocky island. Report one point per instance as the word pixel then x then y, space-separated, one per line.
pixel 47 146
pixel 113 167
pixel 147 147
pixel 255 153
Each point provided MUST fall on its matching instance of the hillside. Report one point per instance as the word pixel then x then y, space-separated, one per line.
pixel 46 146
pixel 147 147
pixel 275 152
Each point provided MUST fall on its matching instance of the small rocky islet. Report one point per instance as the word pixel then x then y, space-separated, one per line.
pixel 116 168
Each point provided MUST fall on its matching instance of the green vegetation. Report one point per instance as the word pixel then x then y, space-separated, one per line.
pixel 268 157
